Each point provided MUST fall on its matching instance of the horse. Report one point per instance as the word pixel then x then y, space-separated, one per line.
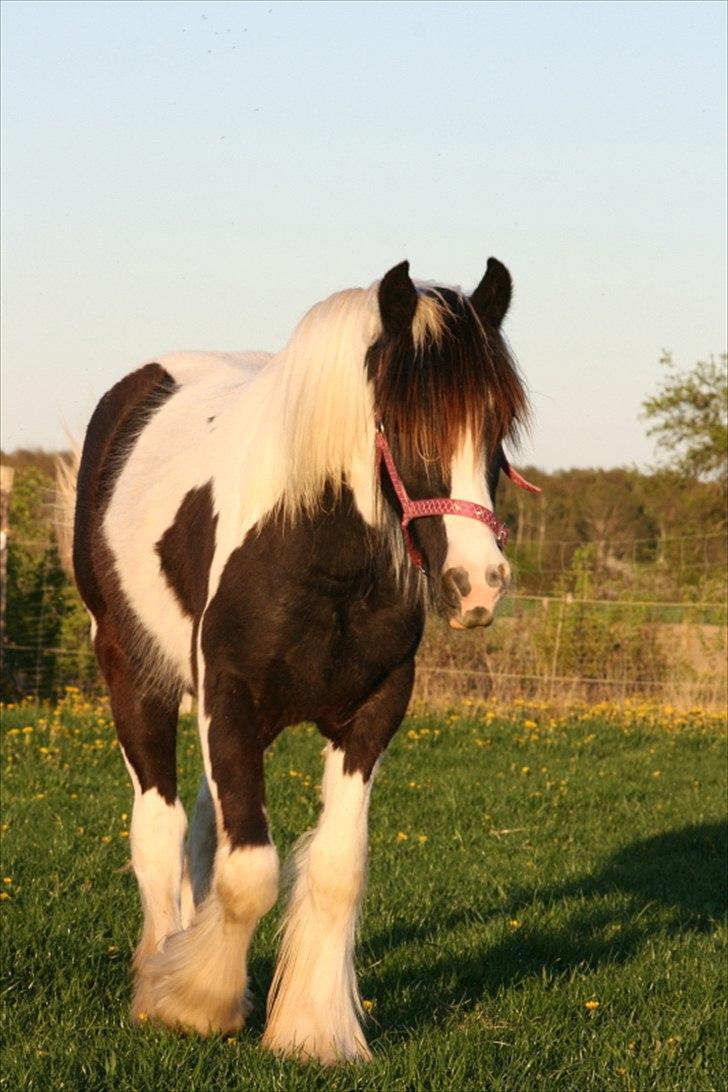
pixel 266 532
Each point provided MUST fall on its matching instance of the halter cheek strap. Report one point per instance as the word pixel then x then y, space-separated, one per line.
pixel 434 506
pixel 518 479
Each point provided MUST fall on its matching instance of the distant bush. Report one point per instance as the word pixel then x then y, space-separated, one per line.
pixel 46 643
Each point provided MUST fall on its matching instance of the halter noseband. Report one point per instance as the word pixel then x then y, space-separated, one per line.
pixel 440 506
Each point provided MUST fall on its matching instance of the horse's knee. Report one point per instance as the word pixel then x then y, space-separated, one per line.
pixel 157 833
pixel 246 881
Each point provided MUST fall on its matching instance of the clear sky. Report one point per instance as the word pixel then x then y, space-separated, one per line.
pixel 197 174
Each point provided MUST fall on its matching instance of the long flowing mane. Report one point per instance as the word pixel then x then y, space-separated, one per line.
pixel 325 399
pixel 449 378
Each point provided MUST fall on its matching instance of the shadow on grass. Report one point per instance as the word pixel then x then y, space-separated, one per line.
pixel 673 883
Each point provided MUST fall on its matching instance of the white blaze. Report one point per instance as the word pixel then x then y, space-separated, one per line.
pixel 471 545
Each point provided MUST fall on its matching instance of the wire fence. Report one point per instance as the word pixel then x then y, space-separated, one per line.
pixel 560 648
pixel 554 646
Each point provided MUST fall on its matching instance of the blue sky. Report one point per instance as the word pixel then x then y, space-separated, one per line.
pixel 182 175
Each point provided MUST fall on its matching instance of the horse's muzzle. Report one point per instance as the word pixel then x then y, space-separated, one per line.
pixel 478 616
pixel 455 587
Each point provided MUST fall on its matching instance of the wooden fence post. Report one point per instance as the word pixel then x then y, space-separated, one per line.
pixel 557 643
pixel 7 473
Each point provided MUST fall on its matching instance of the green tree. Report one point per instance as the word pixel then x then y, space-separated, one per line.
pixel 690 417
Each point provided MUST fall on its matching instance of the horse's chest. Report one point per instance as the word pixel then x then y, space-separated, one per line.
pixel 310 643
pixel 336 655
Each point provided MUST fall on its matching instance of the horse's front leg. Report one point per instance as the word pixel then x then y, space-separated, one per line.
pixel 198 979
pixel 314 1009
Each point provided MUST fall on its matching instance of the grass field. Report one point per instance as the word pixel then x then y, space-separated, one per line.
pixel 544 907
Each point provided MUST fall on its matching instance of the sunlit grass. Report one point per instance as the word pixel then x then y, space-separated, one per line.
pixel 544 907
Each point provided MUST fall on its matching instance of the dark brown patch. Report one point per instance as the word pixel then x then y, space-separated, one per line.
pixel 375 723
pixel 145 720
pixel 236 757
pixel 186 550
pixel 308 623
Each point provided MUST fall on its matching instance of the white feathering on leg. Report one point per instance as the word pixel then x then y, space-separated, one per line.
pixel 198 979
pixel 314 1006
pixel 156 841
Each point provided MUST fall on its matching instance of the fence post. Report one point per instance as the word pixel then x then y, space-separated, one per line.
pixel 7 473
pixel 557 644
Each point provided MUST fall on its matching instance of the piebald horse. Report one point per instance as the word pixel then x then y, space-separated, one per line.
pixel 267 532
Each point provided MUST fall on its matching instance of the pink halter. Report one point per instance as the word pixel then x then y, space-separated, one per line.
pixel 440 506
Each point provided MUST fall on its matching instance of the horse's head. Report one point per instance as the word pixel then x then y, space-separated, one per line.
pixel 447 394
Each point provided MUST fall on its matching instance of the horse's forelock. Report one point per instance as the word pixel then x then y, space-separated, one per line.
pixel 450 378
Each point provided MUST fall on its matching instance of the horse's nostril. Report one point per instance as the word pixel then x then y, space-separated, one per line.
pixel 498 576
pixel 459 579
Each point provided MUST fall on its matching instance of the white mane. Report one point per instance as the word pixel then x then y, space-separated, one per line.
pixel 323 397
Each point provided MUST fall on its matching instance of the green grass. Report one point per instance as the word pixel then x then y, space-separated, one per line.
pixel 542 868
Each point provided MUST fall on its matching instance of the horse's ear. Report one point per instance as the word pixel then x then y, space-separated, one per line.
pixel 397 300
pixel 492 298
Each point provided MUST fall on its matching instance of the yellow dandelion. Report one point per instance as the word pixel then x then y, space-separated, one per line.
pixel 368 1005
pixel 105 838
pixel 111 949
pixel 422 838
pixel 514 923
pixel 591 1005
pixel 142 1016
pixel 4 896
pixel 123 833
pixel 530 724
pixel 40 796
pixel 7 879
pixel 401 836
pixel 525 769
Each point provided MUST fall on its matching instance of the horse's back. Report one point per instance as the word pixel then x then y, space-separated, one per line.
pixel 213 368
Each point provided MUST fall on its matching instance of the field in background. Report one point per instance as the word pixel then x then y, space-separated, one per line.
pixel 544 907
